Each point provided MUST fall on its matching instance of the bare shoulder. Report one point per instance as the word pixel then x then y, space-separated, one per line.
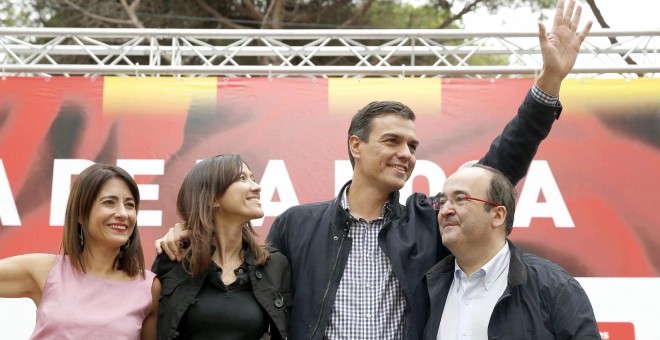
pixel 38 264
pixel 41 265
pixel 25 275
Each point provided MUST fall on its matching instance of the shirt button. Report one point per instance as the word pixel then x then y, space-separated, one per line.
pixel 258 274
pixel 368 316
pixel 368 285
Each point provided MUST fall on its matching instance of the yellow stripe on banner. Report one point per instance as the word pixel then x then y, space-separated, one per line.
pixel 611 95
pixel 158 96
pixel 347 96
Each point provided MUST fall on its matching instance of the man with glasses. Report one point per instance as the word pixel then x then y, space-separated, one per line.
pixel 358 261
pixel 488 288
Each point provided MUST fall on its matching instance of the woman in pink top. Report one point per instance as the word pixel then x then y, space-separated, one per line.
pixel 98 287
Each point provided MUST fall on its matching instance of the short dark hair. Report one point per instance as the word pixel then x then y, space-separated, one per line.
pixel 361 122
pixel 502 192
pixel 81 200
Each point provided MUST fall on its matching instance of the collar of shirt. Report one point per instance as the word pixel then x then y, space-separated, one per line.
pixel 491 271
pixel 344 205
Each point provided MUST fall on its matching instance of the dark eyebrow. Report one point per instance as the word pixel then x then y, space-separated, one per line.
pixel 248 174
pixel 390 135
pixel 415 142
pixel 109 196
pixel 116 198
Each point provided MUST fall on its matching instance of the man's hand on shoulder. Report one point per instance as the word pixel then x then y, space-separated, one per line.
pixel 172 242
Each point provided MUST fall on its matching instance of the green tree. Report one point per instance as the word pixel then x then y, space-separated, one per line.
pixel 257 14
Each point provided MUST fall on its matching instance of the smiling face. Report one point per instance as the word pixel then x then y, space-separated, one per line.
pixel 469 227
pixel 387 159
pixel 241 200
pixel 112 217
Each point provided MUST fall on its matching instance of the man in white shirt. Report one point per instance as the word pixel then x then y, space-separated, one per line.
pixel 488 288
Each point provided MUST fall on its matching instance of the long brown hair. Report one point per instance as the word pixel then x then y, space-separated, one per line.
pixel 81 200
pixel 201 188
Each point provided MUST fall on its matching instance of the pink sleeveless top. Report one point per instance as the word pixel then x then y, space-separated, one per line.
pixel 81 306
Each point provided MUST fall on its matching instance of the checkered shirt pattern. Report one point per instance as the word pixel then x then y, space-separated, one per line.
pixel 370 303
pixel 544 98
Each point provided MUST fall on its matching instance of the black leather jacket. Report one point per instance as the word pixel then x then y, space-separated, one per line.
pixel 314 236
pixel 541 301
pixel 270 285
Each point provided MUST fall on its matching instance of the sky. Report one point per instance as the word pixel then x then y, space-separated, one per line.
pixel 619 14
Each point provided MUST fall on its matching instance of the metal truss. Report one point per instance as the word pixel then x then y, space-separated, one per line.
pixel 312 53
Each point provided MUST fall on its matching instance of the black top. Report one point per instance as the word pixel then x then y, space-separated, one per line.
pixel 269 283
pixel 224 312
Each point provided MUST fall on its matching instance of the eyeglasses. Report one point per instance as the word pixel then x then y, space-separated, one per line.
pixel 440 200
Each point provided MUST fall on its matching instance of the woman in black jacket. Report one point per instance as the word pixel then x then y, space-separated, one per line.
pixel 228 286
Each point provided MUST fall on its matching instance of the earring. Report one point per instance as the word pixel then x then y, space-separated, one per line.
pixel 81 236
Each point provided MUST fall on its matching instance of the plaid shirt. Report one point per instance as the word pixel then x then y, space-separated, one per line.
pixel 370 303
pixel 544 98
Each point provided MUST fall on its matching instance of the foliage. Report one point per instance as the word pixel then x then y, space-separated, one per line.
pixel 26 13
pixel 250 14
pixel 280 14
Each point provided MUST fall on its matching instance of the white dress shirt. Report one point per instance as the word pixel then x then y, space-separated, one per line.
pixel 471 300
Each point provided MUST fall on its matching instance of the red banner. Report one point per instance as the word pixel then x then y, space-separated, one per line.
pixel 587 202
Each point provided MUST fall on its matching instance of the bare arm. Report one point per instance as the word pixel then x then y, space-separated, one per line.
pixel 25 275
pixel 149 324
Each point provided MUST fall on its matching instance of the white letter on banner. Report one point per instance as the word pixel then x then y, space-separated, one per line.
pixel 8 211
pixel 540 179
pixel 433 173
pixel 343 174
pixel 63 169
pixel 276 177
pixel 146 218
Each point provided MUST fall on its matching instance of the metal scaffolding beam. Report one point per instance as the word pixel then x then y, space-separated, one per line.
pixel 314 53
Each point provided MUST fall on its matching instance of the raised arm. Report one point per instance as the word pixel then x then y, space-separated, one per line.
pixel 25 275
pixel 513 151
pixel 560 47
